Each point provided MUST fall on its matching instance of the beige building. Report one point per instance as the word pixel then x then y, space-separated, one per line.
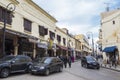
pixel 85 48
pixel 109 34
pixel 68 40
pixel 27 28
pixel 78 49
pixel 32 31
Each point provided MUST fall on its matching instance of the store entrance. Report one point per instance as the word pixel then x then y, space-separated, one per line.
pixel 9 48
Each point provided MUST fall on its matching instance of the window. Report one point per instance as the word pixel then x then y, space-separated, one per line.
pixel 64 41
pixel 22 59
pixel 43 31
pixel 27 25
pixel 52 35
pixel 58 38
pixel 3 13
pixel 113 22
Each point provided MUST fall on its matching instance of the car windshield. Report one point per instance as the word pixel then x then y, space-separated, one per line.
pixel 91 59
pixel 43 60
pixel 7 58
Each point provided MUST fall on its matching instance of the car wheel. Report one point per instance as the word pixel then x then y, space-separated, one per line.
pixel 28 68
pixel 47 72
pixel 4 72
pixel 82 65
pixel 98 68
pixel 86 66
pixel 60 69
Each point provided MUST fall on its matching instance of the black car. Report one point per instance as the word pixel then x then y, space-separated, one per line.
pixel 90 62
pixel 13 64
pixel 47 65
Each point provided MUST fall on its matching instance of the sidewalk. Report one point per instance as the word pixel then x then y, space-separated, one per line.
pixel 112 67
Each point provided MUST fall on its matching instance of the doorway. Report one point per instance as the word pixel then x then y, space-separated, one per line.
pixel 9 48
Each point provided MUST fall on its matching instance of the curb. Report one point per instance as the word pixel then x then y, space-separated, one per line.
pixel 111 69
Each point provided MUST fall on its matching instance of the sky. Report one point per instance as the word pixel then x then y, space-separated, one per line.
pixel 78 16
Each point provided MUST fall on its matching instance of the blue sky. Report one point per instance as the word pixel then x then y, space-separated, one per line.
pixel 78 16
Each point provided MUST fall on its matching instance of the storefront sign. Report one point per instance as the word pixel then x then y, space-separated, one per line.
pixel 42 45
pixel 33 40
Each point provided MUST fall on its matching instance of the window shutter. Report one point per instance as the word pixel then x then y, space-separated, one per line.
pixel 0 14
pixel 45 31
pixel 41 30
pixel 27 25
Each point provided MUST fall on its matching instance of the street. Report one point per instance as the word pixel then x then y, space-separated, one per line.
pixel 75 73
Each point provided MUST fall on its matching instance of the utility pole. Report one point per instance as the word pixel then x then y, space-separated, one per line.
pixel 88 33
pixel 10 7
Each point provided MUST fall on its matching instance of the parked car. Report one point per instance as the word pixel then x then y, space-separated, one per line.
pixel 90 62
pixel 13 64
pixel 46 65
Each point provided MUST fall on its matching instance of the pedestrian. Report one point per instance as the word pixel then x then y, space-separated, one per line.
pixel 72 58
pixel 61 58
pixel 69 61
pixel 65 60
pixel 114 61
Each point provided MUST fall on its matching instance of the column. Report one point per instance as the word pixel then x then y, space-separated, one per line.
pixel 15 45
pixel 54 52
pixel 46 52
pixel 34 50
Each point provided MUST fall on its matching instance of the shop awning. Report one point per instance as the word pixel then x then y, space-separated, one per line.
pixel 110 49
pixel 42 45
pixel 62 47
pixel 70 49
pixel 21 34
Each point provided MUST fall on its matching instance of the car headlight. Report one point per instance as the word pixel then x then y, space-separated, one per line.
pixel 42 67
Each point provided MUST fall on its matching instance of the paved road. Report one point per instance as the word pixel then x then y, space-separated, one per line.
pixel 74 73
pixel 92 74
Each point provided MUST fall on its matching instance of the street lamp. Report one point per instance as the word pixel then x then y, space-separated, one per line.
pixel 10 7
pixel 88 35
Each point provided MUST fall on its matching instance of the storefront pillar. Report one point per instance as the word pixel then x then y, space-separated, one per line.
pixel 54 52
pixel 15 46
pixel 46 52
pixel 34 50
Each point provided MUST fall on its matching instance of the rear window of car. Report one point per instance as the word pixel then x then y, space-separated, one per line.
pixel 43 60
pixel 90 59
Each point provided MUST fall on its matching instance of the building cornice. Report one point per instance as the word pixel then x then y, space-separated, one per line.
pixel 41 10
pixel 14 1
pixel 61 30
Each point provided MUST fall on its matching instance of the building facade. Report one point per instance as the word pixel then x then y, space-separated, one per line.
pixel 27 29
pixel 85 48
pixel 32 31
pixel 109 35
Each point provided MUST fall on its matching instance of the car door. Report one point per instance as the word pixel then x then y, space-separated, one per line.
pixel 83 61
pixel 53 65
pixel 23 63
pixel 58 64
pixel 15 65
pixel 18 64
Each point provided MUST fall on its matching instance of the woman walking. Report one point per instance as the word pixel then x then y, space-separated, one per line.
pixel 69 61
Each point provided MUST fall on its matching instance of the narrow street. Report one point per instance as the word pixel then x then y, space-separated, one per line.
pixel 75 73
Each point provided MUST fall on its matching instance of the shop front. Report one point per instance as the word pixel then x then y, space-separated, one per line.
pixel 61 50
pixel 78 54
pixel 9 43
pixel 112 53
pixel 25 47
pixel 41 50
pixel 17 43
